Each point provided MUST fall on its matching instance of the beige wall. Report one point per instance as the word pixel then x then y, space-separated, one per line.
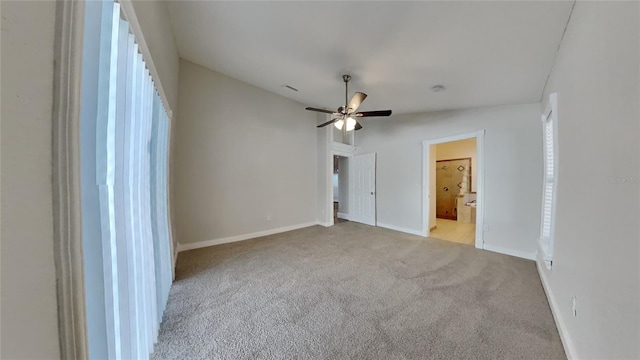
pixel 29 306
pixel 596 250
pixel 461 149
pixel 243 155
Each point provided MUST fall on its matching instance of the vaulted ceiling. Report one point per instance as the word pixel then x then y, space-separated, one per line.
pixel 484 53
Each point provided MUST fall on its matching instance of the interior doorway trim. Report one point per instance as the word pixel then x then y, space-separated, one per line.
pixel 331 149
pixel 337 149
pixel 67 212
pixel 426 173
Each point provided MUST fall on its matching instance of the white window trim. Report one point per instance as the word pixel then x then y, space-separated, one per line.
pixel 546 245
pixel 66 180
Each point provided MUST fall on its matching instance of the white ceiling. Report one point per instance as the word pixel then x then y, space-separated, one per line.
pixel 484 53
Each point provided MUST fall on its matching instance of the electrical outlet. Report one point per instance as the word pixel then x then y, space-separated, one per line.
pixel 486 227
pixel 268 217
pixel 573 306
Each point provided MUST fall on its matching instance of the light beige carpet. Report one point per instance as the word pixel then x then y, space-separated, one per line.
pixel 355 292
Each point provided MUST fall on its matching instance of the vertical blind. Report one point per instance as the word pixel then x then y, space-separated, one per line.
pixel 547 223
pixel 548 178
pixel 131 163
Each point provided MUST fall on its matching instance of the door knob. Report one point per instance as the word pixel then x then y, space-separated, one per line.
pixel 372 193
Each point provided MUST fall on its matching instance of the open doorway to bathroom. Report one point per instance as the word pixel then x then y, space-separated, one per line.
pixel 340 189
pixel 454 191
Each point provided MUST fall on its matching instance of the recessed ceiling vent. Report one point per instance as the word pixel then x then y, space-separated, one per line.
pixel 289 87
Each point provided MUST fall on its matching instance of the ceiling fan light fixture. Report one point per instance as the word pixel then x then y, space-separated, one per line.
pixel 339 124
pixel 351 123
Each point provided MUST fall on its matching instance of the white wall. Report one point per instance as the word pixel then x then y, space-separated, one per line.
pixel 29 306
pixel 513 169
pixel 242 154
pixel 596 254
pixel 461 149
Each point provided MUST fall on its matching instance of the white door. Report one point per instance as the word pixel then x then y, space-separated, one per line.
pixel 362 189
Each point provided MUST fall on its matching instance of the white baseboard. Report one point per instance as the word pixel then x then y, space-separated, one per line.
pixel 507 251
pixel 229 239
pixel 569 348
pixel 401 229
pixel 343 216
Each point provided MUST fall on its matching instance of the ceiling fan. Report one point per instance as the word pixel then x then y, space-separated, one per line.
pixel 345 117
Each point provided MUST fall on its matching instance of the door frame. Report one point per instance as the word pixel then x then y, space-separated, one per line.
pixel 336 149
pixel 426 172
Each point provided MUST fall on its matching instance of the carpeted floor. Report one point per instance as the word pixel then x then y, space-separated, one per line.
pixel 354 291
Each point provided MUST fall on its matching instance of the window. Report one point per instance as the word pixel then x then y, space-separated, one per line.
pixel 550 151
pixel 126 237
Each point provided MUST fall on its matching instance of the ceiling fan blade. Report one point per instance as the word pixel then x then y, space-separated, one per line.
pixel 373 113
pixel 328 122
pixel 355 102
pixel 358 126
pixel 320 110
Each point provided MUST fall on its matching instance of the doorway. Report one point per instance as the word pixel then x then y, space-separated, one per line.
pixel 453 184
pixel 452 179
pixel 340 189
pixel 356 187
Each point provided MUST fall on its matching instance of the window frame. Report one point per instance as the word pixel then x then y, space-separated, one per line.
pixel 546 242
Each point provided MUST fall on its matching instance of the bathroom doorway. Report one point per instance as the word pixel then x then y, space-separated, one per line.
pixel 452 175
pixel 453 185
